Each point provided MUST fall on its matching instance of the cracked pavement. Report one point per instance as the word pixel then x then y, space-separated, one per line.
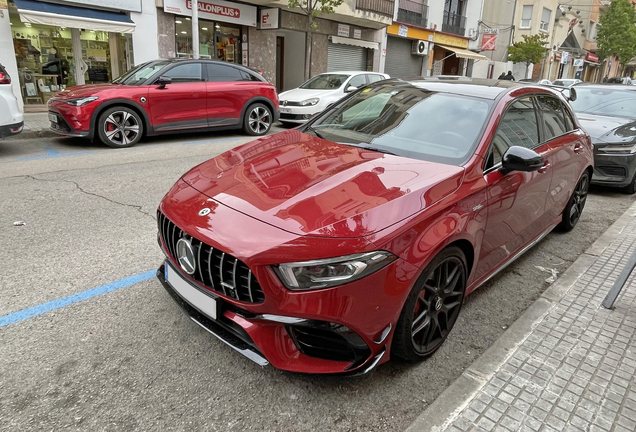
pixel 130 360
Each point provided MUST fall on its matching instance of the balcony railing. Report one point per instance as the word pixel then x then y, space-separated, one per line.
pixel 454 23
pixel 411 12
pixel 382 7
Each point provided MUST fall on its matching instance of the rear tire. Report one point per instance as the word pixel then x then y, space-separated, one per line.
pixel 120 127
pixel 258 120
pixel 574 208
pixel 432 307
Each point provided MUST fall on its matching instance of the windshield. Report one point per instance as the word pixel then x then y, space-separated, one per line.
pixel 140 74
pixel 407 121
pixel 607 102
pixel 325 82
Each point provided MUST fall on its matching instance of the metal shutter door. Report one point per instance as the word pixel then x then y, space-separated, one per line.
pixel 346 58
pixel 400 63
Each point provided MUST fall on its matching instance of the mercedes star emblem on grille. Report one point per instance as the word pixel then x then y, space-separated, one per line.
pixel 185 256
pixel 204 212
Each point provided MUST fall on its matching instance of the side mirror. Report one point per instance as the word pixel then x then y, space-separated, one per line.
pixel 572 95
pixel 350 89
pixel 163 81
pixel 519 158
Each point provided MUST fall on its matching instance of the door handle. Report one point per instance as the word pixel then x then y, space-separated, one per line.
pixel 578 148
pixel 544 168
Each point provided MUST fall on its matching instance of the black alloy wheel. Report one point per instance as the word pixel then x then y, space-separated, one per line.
pixel 432 307
pixel 576 204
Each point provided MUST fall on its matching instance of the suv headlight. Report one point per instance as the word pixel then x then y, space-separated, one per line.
pixel 80 101
pixel 312 101
pixel 626 148
pixel 330 272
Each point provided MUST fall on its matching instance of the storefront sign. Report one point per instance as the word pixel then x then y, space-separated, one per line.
pixel 269 18
pixel 123 5
pixel 565 56
pixel 591 57
pixel 491 31
pixel 219 10
pixel 403 31
pixel 578 62
pixel 489 42
pixel 343 30
pixel 244 58
pixel 357 34
pixel 454 41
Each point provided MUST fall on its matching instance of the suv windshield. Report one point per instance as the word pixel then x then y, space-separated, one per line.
pixel 140 74
pixel 325 82
pixel 407 121
pixel 607 102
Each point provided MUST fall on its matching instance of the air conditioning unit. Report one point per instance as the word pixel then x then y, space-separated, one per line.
pixel 419 47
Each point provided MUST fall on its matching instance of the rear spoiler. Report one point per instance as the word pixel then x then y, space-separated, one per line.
pixel 568 92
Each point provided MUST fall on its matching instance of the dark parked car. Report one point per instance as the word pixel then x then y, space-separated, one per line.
pixel 354 238
pixel 608 114
pixel 166 96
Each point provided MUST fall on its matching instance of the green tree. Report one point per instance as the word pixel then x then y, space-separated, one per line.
pixel 617 31
pixel 529 51
pixel 312 8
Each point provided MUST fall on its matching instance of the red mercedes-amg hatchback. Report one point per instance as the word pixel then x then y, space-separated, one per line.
pixel 166 96
pixel 330 248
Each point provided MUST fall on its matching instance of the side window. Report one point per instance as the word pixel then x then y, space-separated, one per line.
pixel 222 73
pixel 518 127
pixel 552 114
pixel 374 78
pixel 357 81
pixel 569 121
pixel 184 73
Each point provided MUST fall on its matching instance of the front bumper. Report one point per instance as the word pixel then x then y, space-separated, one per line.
pixel 298 114
pixel 62 127
pixel 617 170
pixel 12 129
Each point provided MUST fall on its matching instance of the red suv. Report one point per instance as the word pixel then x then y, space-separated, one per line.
pixel 164 96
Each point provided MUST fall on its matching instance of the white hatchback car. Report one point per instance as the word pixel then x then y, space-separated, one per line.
pixel 566 82
pixel 299 104
pixel 11 119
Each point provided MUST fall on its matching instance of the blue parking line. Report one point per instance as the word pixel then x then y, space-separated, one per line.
pixel 50 153
pixel 210 141
pixel 78 297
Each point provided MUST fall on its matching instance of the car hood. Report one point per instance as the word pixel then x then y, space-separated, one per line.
pixel 85 90
pixel 608 129
pixel 310 186
pixel 299 95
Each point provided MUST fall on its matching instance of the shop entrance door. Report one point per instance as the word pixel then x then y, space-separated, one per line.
pixel 280 63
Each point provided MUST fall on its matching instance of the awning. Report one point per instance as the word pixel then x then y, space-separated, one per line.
pixel 463 53
pixel 36 12
pixel 355 42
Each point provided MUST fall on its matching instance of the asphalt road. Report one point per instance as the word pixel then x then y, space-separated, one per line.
pixel 130 360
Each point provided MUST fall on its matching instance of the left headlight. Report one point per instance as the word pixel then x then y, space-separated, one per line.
pixel 326 273
pixel 312 101
pixel 627 148
pixel 79 101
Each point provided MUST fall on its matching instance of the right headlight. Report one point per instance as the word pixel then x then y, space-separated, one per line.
pixel 330 272
pixel 627 148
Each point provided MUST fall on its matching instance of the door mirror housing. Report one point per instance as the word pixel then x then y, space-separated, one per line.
pixel 523 159
pixel 163 81
pixel 350 89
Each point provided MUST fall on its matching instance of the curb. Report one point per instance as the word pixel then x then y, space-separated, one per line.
pixel 31 134
pixel 455 398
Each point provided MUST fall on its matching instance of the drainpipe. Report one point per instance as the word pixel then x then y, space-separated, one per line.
pixel 195 29
pixel 512 31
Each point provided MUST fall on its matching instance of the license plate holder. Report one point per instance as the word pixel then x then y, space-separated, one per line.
pixel 205 303
pixel 53 118
pixel 285 110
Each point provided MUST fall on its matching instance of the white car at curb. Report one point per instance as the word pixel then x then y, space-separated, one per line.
pixel 11 119
pixel 299 104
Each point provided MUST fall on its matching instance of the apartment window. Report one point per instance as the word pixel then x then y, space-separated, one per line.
pixel 545 20
pixel 592 33
pixel 526 16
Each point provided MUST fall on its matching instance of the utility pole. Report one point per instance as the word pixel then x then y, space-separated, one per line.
pixel 195 29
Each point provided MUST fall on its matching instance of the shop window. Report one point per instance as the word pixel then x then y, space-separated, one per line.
pixel 216 41
pixel 184 73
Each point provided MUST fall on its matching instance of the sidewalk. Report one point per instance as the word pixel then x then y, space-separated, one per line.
pixel 35 125
pixel 567 364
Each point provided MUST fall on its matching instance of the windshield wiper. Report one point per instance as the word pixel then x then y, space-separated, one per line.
pixel 376 149
pixel 318 134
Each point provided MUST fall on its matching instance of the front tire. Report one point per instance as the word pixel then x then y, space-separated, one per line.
pixel 120 127
pixel 432 307
pixel 258 120
pixel 631 188
pixel 574 208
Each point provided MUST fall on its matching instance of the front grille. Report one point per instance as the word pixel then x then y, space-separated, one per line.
pixel 215 269
pixel 289 103
pixel 612 171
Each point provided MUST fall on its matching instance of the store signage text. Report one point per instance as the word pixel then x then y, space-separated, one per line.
pixel 215 10
pixel 565 57
pixel 591 57
pixel 343 30
pixel 578 62
pixel 489 42
pixel 491 31
pixel 269 18
pixel 121 5
pixel 403 31
pixel 357 34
